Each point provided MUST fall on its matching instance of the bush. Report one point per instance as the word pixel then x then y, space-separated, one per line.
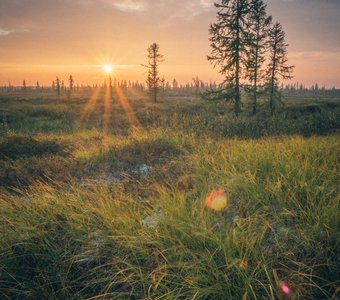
pixel 14 147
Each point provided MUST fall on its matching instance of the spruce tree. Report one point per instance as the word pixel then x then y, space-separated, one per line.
pixel 24 87
pixel 277 66
pixel 58 85
pixel 153 79
pixel 70 86
pixel 228 40
pixel 259 22
pixel 175 84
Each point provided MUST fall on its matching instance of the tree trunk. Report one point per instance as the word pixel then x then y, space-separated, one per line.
pixel 154 78
pixel 272 84
pixel 256 71
pixel 237 70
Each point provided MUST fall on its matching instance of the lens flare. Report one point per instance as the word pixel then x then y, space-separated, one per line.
pixel 285 288
pixel 107 69
pixel 216 200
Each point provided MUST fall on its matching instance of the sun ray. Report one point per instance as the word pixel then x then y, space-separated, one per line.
pixel 89 107
pixel 130 114
pixel 137 93
pixel 107 110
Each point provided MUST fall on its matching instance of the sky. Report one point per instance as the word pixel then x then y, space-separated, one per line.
pixel 42 39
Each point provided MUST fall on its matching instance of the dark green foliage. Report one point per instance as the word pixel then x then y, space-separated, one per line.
pixel 151 153
pixel 277 67
pixel 13 147
pixel 240 40
pixel 257 35
pixel 228 40
pixel 27 171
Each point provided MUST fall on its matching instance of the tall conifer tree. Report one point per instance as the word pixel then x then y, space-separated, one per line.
pixel 278 63
pixel 257 47
pixel 153 79
pixel 58 85
pixel 70 86
pixel 228 40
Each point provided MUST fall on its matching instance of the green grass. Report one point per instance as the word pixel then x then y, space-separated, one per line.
pixel 79 219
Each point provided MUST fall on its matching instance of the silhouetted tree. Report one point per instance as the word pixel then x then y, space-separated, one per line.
pixel 57 85
pixel 259 26
pixel 70 83
pixel 153 80
pixel 197 83
pixel 70 86
pixel 24 87
pixel 228 37
pixel 277 66
pixel 163 84
pixel 175 84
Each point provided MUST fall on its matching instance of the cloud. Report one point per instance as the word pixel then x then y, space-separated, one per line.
pixel 194 8
pixel 129 5
pixel 207 3
pixel 183 10
pixel 315 55
pixel 174 8
pixel 6 32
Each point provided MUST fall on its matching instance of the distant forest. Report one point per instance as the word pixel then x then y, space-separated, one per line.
pixel 249 50
pixel 196 85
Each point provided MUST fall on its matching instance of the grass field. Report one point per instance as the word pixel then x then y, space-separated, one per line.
pixel 102 197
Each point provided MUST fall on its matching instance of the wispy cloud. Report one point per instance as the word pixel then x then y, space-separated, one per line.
pixel 6 32
pixel 185 10
pixel 129 5
pixel 191 8
pixel 315 55
pixel 174 8
pixel 207 3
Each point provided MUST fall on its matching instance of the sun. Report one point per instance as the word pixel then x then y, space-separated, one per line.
pixel 107 69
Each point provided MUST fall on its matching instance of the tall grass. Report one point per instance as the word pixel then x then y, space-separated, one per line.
pixel 189 114
pixel 115 241
pixel 120 215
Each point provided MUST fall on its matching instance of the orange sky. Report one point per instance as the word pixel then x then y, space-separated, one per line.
pixel 42 39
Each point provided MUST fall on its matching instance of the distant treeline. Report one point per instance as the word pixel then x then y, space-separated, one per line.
pixel 195 85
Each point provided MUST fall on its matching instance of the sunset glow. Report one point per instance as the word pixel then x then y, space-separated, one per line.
pixel 121 31
pixel 178 149
pixel 107 69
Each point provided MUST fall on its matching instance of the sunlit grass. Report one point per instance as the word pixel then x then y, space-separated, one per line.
pixel 90 106
pixel 120 214
pixel 124 102
pixel 280 225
